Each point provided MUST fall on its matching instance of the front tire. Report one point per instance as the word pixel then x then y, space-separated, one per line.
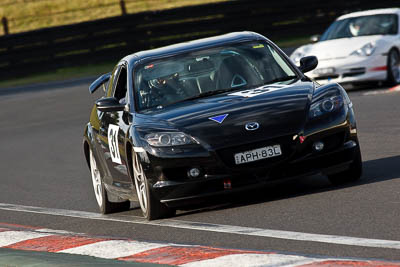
pixel 353 174
pixel 151 207
pixel 105 206
pixel 393 67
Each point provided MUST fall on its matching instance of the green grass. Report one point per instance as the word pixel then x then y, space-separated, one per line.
pixel 25 15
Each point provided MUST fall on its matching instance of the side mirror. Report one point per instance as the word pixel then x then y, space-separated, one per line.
pixel 308 63
pixel 98 82
pixel 315 38
pixel 109 104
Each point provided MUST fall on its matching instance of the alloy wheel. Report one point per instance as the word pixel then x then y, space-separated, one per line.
pixel 141 183
pixel 96 179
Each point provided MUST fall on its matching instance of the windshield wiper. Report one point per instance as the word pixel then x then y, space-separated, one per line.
pixel 282 79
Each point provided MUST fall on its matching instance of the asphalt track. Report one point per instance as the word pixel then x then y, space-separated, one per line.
pixel 42 165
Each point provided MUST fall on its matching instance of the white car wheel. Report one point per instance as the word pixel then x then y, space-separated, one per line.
pixel 151 207
pixel 96 180
pixel 100 192
pixel 140 183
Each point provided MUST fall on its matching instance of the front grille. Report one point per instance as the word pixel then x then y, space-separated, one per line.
pixel 326 77
pixel 354 72
pixel 287 146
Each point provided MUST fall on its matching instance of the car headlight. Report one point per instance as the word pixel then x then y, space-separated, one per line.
pixel 300 52
pixel 326 105
pixel 296 56
pixel 366 50
pixel 169 139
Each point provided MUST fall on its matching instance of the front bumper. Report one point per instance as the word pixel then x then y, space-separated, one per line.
pixel 351 69
pixel 184 193
pixel 170 184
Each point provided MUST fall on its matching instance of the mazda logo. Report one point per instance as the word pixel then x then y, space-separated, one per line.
pixel 251 126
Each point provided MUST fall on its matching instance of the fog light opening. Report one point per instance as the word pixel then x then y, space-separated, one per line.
pixel 193 173
pixel 318 146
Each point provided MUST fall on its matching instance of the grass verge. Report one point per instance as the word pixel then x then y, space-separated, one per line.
pixel 23 15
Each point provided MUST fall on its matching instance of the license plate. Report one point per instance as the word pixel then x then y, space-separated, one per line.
pixel 258 154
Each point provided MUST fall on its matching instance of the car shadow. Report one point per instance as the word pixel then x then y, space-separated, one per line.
pixel 374 171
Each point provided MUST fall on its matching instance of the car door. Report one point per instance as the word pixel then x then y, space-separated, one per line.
pixel 113 128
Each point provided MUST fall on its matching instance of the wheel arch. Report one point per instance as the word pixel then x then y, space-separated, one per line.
pixel 86 143
pixel 86 151
pixel 395 48
pixel 132 141
pixel 128 149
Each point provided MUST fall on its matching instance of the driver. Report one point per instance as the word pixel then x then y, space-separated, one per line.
pixel 355 27
pixel 167 89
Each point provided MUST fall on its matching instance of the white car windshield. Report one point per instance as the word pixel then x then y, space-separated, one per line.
pixel 381 24
pixel 208 72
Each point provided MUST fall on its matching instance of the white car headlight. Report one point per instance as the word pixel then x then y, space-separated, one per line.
pixel 366 50
pixel 325 71
pixel 296 56
pixel 169 139
pixel 300 52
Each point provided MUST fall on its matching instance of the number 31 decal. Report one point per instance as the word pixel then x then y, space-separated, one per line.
pixel 113 143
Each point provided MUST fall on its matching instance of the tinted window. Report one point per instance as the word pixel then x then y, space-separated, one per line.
pixel 361 26
pixel 121 86
pixel 235 67
pixel 112 81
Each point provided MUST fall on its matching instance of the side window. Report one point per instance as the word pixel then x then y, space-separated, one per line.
pixel 120 92
pixel 111 83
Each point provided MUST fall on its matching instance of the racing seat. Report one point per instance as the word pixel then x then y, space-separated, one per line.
pixel 203 71
pixel 206 84
pixel 234 72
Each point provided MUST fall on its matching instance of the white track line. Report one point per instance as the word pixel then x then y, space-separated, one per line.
pixel 12 237
pixel 264 260
pixel 209 227
pixel 113 248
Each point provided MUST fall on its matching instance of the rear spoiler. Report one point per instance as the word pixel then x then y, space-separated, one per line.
pixel 99 81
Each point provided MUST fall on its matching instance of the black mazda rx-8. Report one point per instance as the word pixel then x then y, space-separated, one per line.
pixel 190 121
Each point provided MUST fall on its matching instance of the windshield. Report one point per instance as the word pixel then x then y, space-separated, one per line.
pixel 207 72
pixel 361 26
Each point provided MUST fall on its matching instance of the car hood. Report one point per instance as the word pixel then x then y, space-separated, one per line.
pixel 280 110
pixel 337 48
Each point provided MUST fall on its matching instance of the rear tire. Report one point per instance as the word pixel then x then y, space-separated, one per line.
pixel 105 206
pixel 353 174
pixel 151 207
pixel 393 67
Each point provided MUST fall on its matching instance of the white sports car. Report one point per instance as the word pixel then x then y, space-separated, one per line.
pixel 358 47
